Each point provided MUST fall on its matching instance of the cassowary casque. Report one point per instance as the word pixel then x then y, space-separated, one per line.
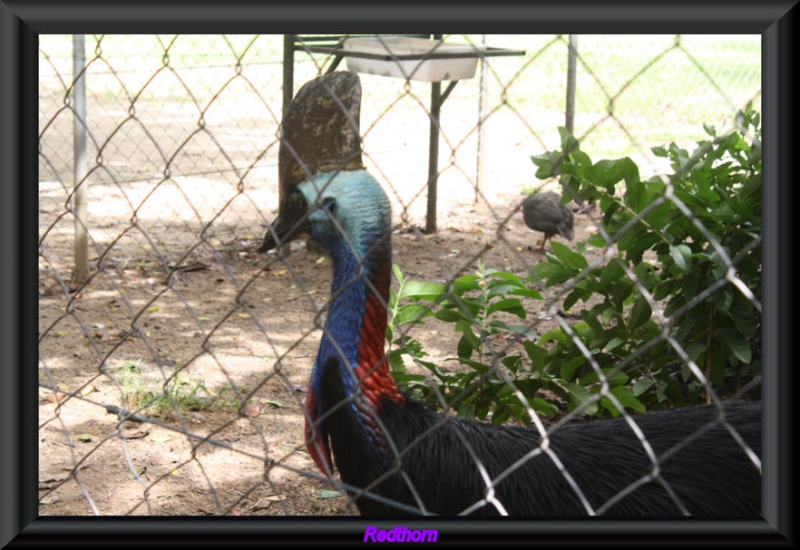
pixel 395 456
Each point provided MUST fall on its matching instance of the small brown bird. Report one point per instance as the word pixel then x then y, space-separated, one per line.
pixel 542 212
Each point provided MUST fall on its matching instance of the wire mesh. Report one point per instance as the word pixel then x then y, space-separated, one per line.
pixel 173 379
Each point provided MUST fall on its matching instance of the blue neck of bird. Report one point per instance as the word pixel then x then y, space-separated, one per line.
pixel 355 329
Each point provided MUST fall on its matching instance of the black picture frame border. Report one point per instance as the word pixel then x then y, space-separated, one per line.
pixel 20 24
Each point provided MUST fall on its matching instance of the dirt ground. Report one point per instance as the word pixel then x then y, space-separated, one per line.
pixel 227 330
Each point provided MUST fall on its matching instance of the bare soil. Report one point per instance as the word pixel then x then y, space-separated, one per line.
pixel 232 327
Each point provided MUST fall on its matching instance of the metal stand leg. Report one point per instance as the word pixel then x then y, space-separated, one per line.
pixel 437 99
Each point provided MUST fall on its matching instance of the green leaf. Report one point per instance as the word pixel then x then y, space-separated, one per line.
pixel 545 407
pixel 500 415
pixel 450 315
pixel 607 173
pixel 466 283
pixel 512 362
pixel 468 343
pixel 397 273
pixel 695 349
pixel 421 291
pixel 556 334
pixel 626 398
pixel 479 367
pixel 397 365
pixel 508 305
pixel 536 355
pixel 545 164
pixel 659 151
pixel 743 315
pixel 568 142
pixel 611 272
pixel 682 256
pixel 466 346
pixel 613 344
pixel 719 363
pixel 412 313
pixel 620 291
pixel 597 240
pixel 527 292
pixel 616 379
pixel 723 299
pixel 466 410
pixel 504 276
pixel 553 273
pixel 433 367
pixel 740 347
pixel 640 313
pixel 636 196
pixel 642 385
pixel 580 158
pixel 500 288
pixel 590 319
pixel 569 258
pixel 569 367
pixel 636 240
pixel 577 396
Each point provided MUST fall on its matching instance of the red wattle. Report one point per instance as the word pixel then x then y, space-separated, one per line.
pixel 316 443
pixel 372 370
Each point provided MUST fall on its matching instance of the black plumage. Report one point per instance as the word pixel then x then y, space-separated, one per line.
pixel 542 212
pixel 711 476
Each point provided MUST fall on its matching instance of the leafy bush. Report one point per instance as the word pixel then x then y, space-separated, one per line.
pixel 688 245
pixel 473 303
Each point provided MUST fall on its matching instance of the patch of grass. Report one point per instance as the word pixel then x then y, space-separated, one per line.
pixel 178 392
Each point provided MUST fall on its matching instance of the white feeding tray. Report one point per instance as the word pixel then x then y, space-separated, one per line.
pixel 403 57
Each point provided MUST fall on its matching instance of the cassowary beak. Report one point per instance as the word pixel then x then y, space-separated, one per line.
pixel 319 133
pixel 292 223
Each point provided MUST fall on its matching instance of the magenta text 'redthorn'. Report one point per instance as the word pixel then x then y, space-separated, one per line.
pixel 399 534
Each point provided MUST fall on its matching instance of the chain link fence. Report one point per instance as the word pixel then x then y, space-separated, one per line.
pixel 173 365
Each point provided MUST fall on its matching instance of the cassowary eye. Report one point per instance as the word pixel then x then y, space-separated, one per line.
pixel 329 204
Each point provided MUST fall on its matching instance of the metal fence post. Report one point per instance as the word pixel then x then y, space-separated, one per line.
pixel 482 110
pixel 572 62
pixel 288 70
pixel 79 198
pixel 288 93
pixel 433 158
pixel 433 153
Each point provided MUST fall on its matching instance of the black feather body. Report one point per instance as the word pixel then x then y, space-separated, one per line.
pixel 711 476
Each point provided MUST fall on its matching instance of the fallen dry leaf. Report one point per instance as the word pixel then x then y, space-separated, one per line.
pixel 251 409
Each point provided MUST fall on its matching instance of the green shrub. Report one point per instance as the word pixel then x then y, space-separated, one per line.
pixel 688 245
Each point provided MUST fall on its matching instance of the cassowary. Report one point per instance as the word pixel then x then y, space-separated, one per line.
pixel 393 447
pixel 389 449
pixel 542 212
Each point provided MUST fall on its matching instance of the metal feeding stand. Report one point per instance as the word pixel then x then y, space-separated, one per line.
pixel 412 58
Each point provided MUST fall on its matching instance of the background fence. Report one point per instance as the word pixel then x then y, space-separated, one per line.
pixel 180 321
